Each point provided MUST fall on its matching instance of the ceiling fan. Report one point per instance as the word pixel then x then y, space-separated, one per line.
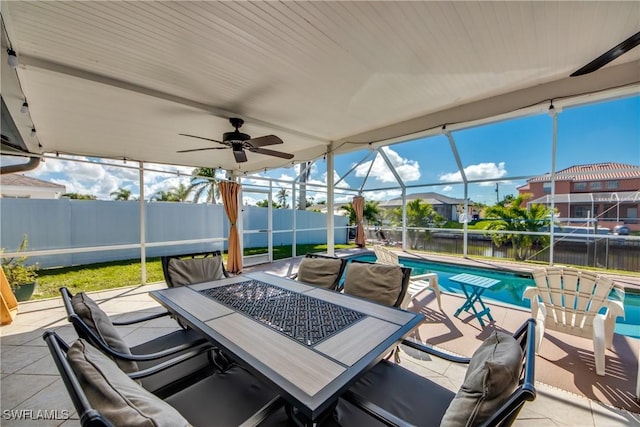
pixel 239 142
pixel 609 55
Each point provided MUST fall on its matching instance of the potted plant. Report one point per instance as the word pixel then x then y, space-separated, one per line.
pixel 21 277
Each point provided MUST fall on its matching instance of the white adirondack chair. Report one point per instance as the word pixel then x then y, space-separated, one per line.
pixel 569 300
pixel 417 284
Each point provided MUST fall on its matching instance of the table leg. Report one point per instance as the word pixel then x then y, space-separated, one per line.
pixel 471 298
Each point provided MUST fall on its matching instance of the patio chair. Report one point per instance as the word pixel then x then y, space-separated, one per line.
pixel 417 284
pixel 569 300
pixel 92 324
pixel 499 380
pixel 103 395
pixel 381 283
pixel 187 269
pixel 321 270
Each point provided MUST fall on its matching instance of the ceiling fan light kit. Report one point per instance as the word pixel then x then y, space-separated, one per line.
pixel 239 142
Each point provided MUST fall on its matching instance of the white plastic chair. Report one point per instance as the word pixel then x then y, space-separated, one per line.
pixel 569 300
pixel 417 284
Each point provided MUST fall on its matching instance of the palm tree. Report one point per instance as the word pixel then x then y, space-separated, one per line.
pixel 181 192
pixel 512 215
pixel 121 194
pixel 164 196
pixel 281 196
pixel 370 212
pixel 204 183
pixel 419 214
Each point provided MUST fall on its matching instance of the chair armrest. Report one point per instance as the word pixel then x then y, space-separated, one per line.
pixel 265 412
pixel 531 293
pixel 373 410
pixel 98 342
pixel 141 319
pixel 168 363
pixel 432 351
pixel 422 276
pixel 615 309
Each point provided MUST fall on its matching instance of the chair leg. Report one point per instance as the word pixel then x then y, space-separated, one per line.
pixel 433 283
pixel 599 344
pixel 542 314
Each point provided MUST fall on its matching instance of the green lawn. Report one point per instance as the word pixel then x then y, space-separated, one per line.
pixel 107 275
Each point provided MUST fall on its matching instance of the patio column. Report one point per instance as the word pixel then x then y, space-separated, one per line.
pixel 330 206
pixel 143 227
pixel 229 192
pixel 358 208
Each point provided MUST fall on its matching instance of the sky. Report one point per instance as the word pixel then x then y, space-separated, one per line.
pixel 607 131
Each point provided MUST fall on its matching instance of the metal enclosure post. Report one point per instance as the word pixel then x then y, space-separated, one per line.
pixel 554 115
pixel 330 220
pixel 143 227
pixel 404 218
pixel 294 238
pixel 456 155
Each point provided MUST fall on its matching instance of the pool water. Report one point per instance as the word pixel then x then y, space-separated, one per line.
pixel 511 288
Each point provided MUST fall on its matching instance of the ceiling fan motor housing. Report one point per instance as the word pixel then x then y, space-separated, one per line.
pixel 235 136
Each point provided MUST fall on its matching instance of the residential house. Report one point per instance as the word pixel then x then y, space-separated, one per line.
pixel 16 185
pixel 606 192
pixel 447 207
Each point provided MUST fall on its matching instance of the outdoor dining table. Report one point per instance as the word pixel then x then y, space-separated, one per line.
pixel 473 287
pixel 309 343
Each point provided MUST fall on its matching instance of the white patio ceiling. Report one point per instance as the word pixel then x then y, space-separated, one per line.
pixel 123 79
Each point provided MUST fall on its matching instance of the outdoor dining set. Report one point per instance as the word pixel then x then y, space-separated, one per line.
pixel 258 349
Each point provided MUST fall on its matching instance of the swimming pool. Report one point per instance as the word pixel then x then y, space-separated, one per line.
pixel 510 288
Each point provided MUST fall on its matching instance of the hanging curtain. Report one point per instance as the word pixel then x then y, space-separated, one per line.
pixel 358 208
pixel 229 192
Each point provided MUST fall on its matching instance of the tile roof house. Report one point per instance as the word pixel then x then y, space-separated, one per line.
pixel 15 185
pixel 443 205
pixel 608 192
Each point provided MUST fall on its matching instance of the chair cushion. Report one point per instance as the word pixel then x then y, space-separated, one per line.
pixel 493 374
pixel 195 270
pixel 321 272
pixel 116 396
pixel 405 394
pixel 224 399
pixel 91 314
pixel 177 375
pixel 376 282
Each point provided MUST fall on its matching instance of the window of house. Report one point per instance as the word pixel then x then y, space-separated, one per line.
pixel 580 186
pixel 595 185
pixel 581 212
pixel 612 185
pixel 546 188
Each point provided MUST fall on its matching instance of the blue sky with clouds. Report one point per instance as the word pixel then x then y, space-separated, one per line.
pixel 601 132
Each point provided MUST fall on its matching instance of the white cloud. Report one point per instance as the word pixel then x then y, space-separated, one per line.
pixel 477 172
pixel 447 189
pixel 408 170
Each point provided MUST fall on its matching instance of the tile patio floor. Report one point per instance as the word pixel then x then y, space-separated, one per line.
pixel 29 380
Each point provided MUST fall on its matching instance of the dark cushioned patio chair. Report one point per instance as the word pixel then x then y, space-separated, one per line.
pixel 92 324
pixel 103 395
pixel 381 283
pixel 187 269
pixel 321 270
pixel 498 381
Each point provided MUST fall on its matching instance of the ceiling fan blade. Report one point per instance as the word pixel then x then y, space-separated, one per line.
pixel 265 140
pixel 609 55
pixel 202 149
pixel 240 156
pixel 202 137
pixel 271 153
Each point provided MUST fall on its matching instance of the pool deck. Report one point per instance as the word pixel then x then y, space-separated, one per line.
pixel 29 381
